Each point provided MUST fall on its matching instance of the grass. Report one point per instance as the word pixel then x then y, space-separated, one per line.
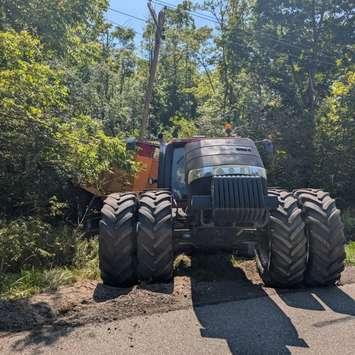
pixel 350 254
pixel 31 281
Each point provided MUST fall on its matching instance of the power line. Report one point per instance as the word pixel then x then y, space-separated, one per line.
pixel 208 18
pixel 194 13
pixel 128 15
pixel 213 20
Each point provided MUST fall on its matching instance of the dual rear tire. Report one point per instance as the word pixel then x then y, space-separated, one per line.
pixel 325 235
pixel 281 257
pixel 155 237
pixel 117 243
pixel 305 242
pixel 136 238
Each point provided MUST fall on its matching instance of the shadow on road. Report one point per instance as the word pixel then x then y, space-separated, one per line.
pixel 318 298
pixel 41 336
pixel 36 318
pixel 257 325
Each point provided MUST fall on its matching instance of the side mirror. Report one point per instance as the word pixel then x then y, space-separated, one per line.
pixel 268 146
pixel 267 151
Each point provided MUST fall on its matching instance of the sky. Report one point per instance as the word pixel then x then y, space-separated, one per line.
pixel 139 9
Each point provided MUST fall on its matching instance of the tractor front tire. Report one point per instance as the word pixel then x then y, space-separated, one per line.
pixel 117 241
pixel 282 255
pixel 326 240
pixel 154 239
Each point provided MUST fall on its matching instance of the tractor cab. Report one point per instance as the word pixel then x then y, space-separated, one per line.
pixel 204 174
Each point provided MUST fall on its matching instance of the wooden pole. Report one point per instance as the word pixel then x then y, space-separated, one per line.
pixel 159 23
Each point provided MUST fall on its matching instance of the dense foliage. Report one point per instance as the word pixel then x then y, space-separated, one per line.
pixel 72 87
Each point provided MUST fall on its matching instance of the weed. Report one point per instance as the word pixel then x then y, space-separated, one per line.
pixel 28 282
pixel 350 254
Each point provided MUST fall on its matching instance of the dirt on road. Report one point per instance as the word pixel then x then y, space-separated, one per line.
pixel 208 280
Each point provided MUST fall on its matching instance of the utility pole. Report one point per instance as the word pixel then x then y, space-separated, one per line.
pixel 159 24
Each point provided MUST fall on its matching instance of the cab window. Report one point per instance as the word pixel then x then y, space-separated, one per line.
pixel 178 184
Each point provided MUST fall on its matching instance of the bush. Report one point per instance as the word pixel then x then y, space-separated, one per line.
pixel 88 152
pixel 35 256
pixel 29 242
pixel 86 260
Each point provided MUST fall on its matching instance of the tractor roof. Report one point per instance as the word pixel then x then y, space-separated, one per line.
pixel 201 138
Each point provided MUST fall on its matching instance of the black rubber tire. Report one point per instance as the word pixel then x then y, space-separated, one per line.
pixel 154 239
pixel 117 241
pixel 282 255
pixel 326 240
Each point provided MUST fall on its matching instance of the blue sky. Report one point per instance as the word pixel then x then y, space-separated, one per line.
pixel 137 8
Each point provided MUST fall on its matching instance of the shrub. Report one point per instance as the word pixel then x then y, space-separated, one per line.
pixel 28 242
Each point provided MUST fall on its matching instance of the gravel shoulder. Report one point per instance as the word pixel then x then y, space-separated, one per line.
pixel 208 282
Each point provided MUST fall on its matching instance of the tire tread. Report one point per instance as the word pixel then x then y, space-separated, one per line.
pixel 288 244
pixel 324 229
pixel 154 239
pixel 117 244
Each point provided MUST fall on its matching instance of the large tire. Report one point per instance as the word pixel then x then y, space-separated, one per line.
pixel 117 242
pixel 282 255
pixel 154 240
pixel 324 229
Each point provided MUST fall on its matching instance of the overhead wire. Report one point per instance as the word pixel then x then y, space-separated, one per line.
pixel 127 14
pixel 205 16
pixel 213 20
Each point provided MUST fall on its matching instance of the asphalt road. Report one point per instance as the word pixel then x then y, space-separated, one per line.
pixel 320 321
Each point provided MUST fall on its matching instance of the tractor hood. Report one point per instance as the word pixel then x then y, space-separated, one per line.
pixel 229 156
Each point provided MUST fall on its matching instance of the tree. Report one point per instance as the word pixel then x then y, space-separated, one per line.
pixel 109 87
pixel 61 25
pixel 276 62
pixel 297 45
pixel 43 152
pixel 179 68
pixel 335 141
pixel 31 96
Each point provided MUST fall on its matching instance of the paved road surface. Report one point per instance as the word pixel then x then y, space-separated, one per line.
pixel 315 322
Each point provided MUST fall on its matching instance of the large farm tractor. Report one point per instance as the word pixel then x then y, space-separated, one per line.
pixel 208 195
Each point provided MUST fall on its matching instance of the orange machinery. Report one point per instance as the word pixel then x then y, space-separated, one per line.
pixel 148 157
pixel 147 154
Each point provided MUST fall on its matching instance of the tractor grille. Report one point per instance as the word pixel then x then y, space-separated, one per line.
pixel 238 199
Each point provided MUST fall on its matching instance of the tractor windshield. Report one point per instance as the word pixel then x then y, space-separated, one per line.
pixel 178 184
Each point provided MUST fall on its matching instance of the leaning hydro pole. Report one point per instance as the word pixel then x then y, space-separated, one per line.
pixel 159 24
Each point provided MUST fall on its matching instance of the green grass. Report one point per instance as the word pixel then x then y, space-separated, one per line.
pixel 31 281
pixel 350 254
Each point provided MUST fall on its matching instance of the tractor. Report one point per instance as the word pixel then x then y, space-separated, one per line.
pixel 210 195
